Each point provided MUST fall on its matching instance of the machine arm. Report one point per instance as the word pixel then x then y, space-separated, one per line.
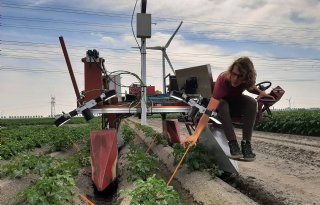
pixel 85 108
pixel 208 113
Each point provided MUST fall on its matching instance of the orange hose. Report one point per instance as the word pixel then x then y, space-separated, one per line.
pixel 177 167
pixel 150 145
pixel 213 104
pixel 86 200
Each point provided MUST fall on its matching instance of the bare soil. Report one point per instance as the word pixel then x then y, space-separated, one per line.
pixel 10 187
pixel 286 170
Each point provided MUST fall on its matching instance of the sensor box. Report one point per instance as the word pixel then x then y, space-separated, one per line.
pixel 143 25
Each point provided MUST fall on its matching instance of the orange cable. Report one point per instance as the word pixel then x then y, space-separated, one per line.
pixel 150 145
pixel 86 199
pixel 177 167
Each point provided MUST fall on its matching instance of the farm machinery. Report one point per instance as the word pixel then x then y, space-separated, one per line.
pixel 102 96
pixel 190 95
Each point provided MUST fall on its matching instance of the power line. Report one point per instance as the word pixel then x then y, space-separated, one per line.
pixel 59 21
pixel 42 44
pixel 8 68
pixel 79 22
pixel 307 64
pixel 260 24
pixel 225 36
pixel 221 37
pixel 58 29
pixel 270 65
pixel 64 10
pixel 106 25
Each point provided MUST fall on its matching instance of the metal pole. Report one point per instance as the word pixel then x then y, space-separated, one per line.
pixel 74 83
pixel 144 80
pixel 163 73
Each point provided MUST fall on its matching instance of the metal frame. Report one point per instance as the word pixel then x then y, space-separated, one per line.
pixel 150 110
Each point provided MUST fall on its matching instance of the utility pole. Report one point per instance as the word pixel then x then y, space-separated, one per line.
pixel 144 80
pixel 143 32
pixel 53 108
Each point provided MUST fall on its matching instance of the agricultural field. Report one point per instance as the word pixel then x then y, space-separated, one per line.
pixel 299 122
pixel 43 164
pixel 295 121
pixel 40 162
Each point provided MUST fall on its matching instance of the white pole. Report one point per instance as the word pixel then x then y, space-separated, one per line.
pixel 144 80
pixel 163 73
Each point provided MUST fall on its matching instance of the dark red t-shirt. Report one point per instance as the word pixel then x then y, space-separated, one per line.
pixel 224 90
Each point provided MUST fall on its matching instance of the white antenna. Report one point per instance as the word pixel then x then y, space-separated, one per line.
pixel 165 56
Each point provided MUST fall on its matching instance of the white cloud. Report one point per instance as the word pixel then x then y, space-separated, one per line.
pixel 268 20
pixel 261 20
pixel 109 41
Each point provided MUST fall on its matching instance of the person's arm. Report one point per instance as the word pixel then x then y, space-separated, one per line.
pixel 261 94
pixel 212 106
pixel 218 90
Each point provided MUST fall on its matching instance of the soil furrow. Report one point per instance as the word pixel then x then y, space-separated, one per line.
pixel 285 172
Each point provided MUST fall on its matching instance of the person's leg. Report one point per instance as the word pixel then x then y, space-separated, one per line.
pixel 249 116
pixel 246 107
pixel 224 116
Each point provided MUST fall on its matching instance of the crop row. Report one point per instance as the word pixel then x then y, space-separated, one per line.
pixel 56 182
pixel 300 122
pixel 196 160
pixel 36 121
pixel 14 140
pixel 143 172
pixel 142 167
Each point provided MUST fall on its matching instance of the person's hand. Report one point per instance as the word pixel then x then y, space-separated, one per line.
pixel 264 95
pixel 192 140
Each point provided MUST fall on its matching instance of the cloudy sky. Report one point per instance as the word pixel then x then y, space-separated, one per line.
pixel 281 38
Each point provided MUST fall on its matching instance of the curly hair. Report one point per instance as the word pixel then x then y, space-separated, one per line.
pixel 246 69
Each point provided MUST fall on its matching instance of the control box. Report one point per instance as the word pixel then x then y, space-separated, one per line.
pixel 143 25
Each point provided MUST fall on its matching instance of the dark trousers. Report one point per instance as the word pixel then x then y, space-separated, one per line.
pixel 243 107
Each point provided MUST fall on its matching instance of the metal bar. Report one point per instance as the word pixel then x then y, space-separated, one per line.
pixel 74 83
pixel 151 110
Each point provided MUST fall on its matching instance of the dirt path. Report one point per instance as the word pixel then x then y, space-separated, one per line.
pixel 286 171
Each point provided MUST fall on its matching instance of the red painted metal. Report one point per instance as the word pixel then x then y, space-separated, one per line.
pixel 171 130
pixel 112 119
pixel 151 90
pixel 136 90
pixel 265 104
pixel 93 80
pixel 104 156
pixel 74 83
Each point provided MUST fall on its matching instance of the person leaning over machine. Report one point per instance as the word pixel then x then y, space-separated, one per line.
pixel 229 88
